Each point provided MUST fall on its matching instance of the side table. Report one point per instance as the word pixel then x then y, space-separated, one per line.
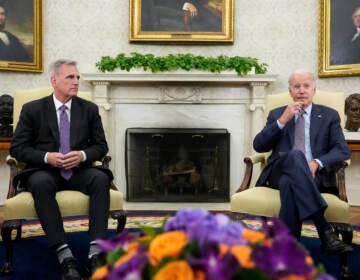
pixel 353 140
pixel 5 143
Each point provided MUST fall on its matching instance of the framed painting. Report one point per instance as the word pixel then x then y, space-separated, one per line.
pixel 21 35
pixel 339 38
pixel 191 21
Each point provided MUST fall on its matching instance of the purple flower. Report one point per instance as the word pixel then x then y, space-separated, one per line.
pixel 276 229
pixel 216 267
pixel 131 269
pixel 284 257
pixel 184 217
pixel 201 225
pixel 114 242
pixel 324 276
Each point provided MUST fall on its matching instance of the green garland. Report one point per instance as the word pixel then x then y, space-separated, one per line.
pixel 242 65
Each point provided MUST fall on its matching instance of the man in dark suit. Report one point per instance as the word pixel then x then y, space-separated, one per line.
pixel 11 49
pixel 178 15
pixel 355 38
pixel 39 142
pixel 301 175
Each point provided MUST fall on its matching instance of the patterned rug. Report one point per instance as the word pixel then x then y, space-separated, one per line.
pixel 153 219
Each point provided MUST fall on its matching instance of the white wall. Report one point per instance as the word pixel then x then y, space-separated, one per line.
pixel 282 35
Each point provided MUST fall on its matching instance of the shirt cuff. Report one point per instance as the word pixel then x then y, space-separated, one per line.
pixel 185 7
pixel 84 156
pixel 321 166
pixel 281 126
pixel 45 157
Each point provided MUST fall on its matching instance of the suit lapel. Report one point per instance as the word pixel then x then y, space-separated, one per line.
pixel 52 118
pixel 290 127
pixel 76 113
pixel 315 123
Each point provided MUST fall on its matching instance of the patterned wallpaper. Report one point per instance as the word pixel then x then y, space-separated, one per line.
pixel 282 35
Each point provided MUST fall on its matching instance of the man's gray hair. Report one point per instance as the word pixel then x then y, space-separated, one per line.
pixel 55 66
pixel 301 71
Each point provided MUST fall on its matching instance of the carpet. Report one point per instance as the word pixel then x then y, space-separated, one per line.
pixel 33 260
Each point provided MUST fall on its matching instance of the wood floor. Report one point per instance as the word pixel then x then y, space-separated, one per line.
pixel 354 215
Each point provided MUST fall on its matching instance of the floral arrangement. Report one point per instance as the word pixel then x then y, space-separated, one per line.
pixel 196 244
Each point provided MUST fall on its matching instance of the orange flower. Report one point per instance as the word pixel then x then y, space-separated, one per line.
pixel 199 275
pixel 131 251
pixel 242 254
pixel 223 249
pixel 253 236
pixel 167 244
pixel 125 258
pixel 176 270
pixel 100 273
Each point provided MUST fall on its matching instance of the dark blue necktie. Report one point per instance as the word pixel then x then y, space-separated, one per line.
pixel 64 139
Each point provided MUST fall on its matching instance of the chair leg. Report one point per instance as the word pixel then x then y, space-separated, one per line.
pixel 346 232
pixel 120 216
pixel 6 230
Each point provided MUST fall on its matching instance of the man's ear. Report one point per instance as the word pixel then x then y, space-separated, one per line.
pixel 53 80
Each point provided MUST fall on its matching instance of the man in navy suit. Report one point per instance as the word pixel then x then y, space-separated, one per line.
pixel 36 142
pixel 302 176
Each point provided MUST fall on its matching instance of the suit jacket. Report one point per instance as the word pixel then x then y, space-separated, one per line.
pixel 37 133
pixel 15 51
pixel 326 140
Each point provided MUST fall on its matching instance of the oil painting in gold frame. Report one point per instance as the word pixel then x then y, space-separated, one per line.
pixel 339 46
pixel 195 21
pixel 21 35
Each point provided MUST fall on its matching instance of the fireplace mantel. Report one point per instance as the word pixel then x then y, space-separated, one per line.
pixel 176 77
pixel 180 87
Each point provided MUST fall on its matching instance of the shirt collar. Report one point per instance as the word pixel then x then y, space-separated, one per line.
pixel 58 104
pixel 308 109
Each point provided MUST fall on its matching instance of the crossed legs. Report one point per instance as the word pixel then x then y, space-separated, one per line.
pixel 299 194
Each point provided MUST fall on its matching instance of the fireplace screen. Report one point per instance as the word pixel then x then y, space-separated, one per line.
pixel 177 165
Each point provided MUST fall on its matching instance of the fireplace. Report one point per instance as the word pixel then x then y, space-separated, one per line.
pixel 179 100
pixel 177 165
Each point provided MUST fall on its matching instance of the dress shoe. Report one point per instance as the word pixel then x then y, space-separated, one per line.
pixel 332 245
pixel 69 270
pixel 91 265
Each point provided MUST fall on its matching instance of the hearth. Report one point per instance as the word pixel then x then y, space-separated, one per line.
pixel 177 165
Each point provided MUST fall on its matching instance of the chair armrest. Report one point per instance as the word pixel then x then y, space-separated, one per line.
pixel 105 163
pixel 249 164
pixel 14 169
pixel 341 179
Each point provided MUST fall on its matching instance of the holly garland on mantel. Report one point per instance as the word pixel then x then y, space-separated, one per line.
pixel 187 62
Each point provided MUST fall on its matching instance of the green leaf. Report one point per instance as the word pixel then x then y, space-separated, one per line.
pixel 187 61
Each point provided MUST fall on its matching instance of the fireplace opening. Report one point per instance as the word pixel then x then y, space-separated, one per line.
pixel 177 165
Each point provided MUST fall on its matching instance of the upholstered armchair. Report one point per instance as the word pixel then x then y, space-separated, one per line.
pixel 265 202
pixel 19 206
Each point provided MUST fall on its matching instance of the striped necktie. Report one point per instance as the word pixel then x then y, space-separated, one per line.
pixel 299 135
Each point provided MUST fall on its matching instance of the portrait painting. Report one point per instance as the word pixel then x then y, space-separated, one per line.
pixel 339 38
pixel 181 21
pixel 21 35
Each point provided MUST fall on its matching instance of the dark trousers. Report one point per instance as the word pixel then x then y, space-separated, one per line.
pixel 44 184
pixel 299 193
